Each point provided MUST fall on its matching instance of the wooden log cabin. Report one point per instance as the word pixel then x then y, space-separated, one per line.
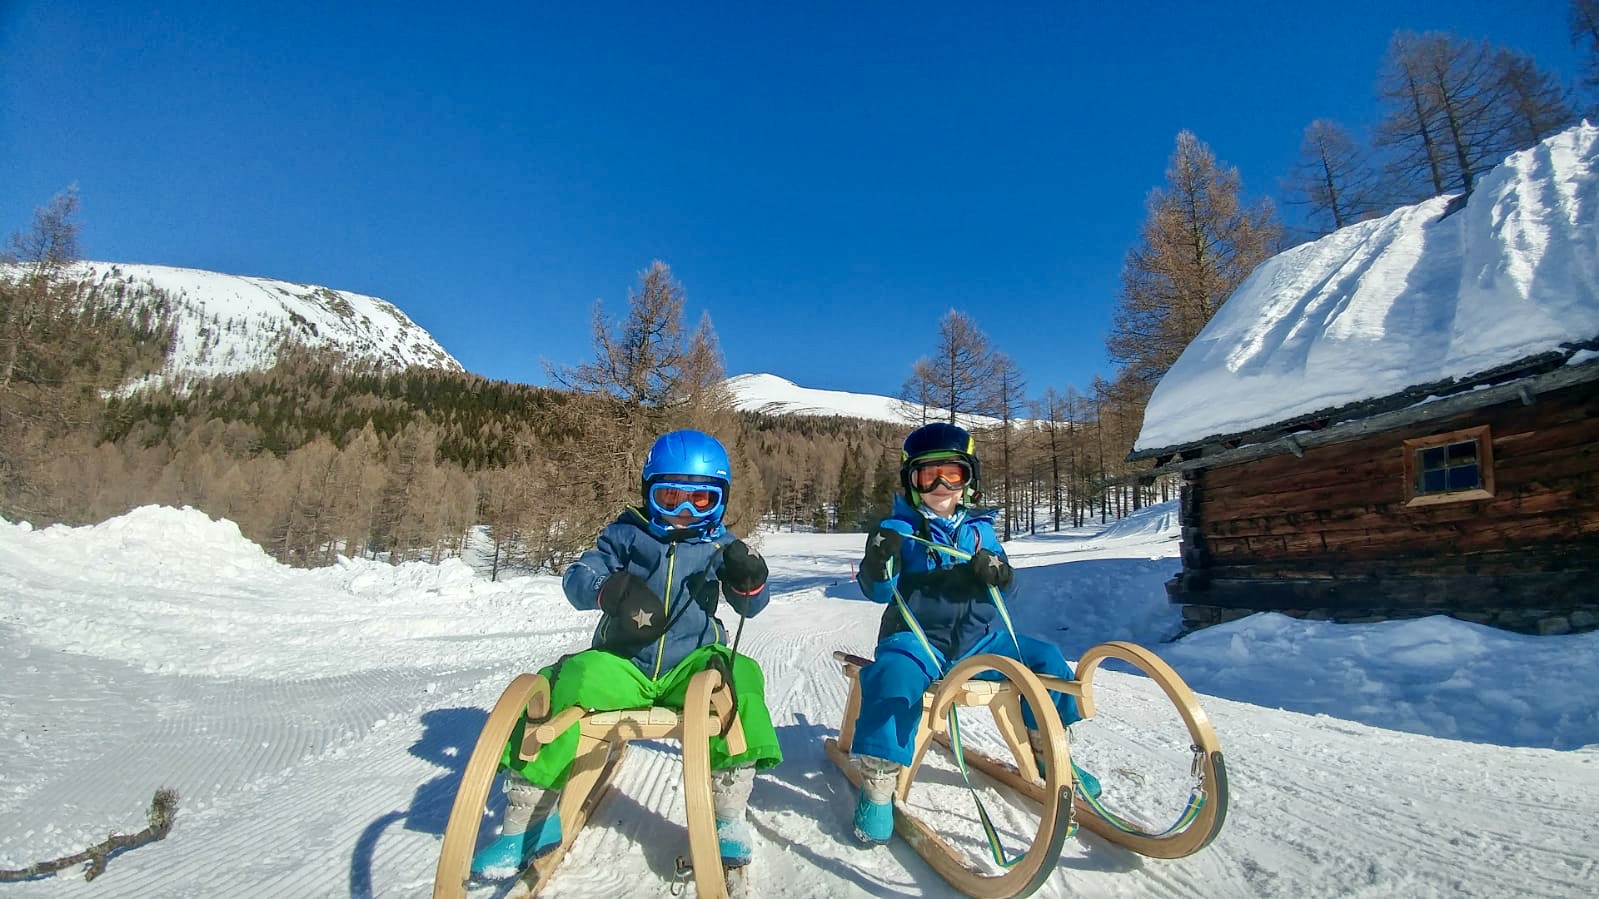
pixel 1402 418
pixel 1482 504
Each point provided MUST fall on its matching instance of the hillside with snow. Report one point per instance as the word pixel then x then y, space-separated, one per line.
pixel 227 324
pixel 316 724
pixel 772 395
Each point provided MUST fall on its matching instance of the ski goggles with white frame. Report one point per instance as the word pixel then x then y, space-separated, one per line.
pixel 669 499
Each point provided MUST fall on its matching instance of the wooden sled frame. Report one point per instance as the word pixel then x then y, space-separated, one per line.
pixel 1054 791
pixel 707 710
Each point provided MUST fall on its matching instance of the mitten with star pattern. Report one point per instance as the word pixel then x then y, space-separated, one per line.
pixel 639 612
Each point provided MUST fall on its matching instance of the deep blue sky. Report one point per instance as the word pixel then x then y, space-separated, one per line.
pixel 826 180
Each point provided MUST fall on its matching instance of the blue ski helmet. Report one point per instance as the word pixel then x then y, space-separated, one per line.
pixel 938 440
pixel 686 471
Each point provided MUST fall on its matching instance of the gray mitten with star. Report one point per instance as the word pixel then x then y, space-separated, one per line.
pixel 882 554
pixel 639 612
pixel 990 569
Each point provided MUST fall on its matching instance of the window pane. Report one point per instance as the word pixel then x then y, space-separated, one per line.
pixel 1464 477
pixel 1454 467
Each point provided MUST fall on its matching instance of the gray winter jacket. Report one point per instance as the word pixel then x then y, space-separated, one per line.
pixel 682 572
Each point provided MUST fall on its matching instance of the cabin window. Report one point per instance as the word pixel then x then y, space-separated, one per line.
pixel 1447 468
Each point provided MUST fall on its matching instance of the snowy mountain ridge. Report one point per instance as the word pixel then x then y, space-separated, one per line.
pixel 773 395
pixel 228 324
pixel 225 324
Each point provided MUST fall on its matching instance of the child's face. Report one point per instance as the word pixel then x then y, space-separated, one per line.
pixel 940 482
pixel 942 500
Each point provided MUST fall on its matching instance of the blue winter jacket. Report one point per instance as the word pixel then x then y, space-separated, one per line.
pixel 953 608
pixel 681 572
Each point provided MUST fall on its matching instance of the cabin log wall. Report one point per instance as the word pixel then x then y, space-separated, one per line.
pixel 1328 534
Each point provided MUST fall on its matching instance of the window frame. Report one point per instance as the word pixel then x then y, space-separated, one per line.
pixel 1485 466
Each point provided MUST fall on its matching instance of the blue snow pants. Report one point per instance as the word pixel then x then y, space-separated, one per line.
pixel 892 688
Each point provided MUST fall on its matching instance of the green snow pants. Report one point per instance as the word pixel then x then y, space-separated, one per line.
pixel 598 680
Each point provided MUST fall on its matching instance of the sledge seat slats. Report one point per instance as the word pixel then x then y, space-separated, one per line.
pixel 972 692
pixel 626 724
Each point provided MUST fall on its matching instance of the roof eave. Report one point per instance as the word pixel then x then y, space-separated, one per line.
pixel 1522 380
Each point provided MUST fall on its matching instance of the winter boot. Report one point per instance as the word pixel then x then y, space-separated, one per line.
pixel 532 828
pixel 874 810
pixel 730 793
pixel 1087 783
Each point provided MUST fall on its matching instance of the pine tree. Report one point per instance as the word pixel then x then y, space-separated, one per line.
pixel 1332 181
pixel 958 378
pixel 851 491
pixel 1536 106
pixel 1584 31
pixel 30 296
pixel 1455 108
pixel 1056 412
pixel 649 375
pixel 1199 242
pixel 1009 395
pixel 885 486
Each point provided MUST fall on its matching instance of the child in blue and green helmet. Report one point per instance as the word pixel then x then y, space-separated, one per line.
pixel 948 593
pixel 656 575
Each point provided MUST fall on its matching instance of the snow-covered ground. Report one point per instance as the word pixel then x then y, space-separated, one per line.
pixel 316 724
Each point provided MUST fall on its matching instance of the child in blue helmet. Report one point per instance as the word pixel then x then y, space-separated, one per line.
pixel 942 557
pixel 656 575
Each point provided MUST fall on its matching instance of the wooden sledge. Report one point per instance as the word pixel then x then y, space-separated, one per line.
pixel 1061 805
pixel 707 710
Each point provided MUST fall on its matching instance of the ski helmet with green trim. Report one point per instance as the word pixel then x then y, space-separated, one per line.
pixel 939 439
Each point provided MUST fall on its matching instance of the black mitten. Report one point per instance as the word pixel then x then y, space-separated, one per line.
pixel 882 548
pixel 991 569
pixel 639 612
pixel 742 568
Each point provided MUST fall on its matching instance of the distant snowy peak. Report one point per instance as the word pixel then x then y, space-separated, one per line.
pixel 233 323
pixel 772 395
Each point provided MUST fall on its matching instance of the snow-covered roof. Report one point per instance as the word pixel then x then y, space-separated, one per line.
pixel 1421 296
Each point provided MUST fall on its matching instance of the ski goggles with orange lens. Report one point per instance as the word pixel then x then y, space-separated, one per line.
pixel 926 476
pixel 675 499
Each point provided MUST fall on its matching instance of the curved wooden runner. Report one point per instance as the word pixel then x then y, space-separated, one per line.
pixel 603 737
pixel 529 695
pixel 1210 768
pixel 960 687
pixel 1050 792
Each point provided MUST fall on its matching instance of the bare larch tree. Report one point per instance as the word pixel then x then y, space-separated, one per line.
pixel 1199 241
pixel 1333 180
pixel 959 376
